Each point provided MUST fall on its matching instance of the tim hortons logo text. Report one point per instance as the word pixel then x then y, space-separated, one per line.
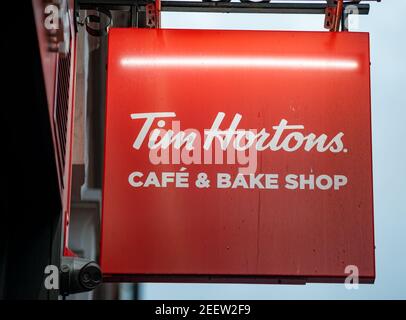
pixel 231 146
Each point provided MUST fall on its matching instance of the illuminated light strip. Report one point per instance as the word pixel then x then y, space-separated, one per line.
pixel 208 62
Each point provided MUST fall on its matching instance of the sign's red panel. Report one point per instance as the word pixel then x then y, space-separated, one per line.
pixel 237 156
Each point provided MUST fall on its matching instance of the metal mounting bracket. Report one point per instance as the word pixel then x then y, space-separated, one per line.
pixel 333 15
pixel 153 14
pixel 96 20
pixel 146 13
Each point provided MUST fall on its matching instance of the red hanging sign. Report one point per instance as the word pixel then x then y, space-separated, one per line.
pixel 237 156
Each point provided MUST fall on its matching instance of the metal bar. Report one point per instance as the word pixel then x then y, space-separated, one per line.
pixel 339 12
pixel 158 10
pixel 227 7
pixel 134 16
pixel 236 7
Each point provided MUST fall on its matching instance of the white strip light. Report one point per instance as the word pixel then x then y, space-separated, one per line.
pixel 230 62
